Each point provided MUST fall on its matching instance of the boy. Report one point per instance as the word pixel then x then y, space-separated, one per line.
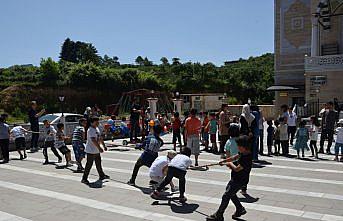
pixel 213 127
pixel 205 130
pixel 239 177
pixel 60 144
pixel 192 132
pixel 176 124
pixel 49 141
pixel 4 138
pixel 159 169
pixel 277 141
pixel 93 150
pixel 177 168
pixel 270 135
pixel 339 140
pixel 283 128
pixel 231 147
pixel 18 132
pixel 78 143
pixel 152 145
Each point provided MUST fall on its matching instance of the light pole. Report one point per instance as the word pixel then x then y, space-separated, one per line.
pixel 61 98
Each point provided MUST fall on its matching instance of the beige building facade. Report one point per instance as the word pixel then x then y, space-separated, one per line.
pixel 308 52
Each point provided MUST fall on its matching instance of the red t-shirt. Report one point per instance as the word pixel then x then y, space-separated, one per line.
pixel 176 124
pixel 193 126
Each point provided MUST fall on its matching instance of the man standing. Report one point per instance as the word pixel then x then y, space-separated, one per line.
pixel 292 124
pixel 192 132
pixel 134 120
pixel 4 138
pixel 33 118
pixel 224 124
pixel 329 118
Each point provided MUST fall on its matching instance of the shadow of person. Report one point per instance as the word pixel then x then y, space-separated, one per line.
pixel 145 190
pixel 177 207
pixel 264 162
pixel 248 199
pixel 257 166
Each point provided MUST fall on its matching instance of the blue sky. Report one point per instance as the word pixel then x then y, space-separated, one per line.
pixel 193 30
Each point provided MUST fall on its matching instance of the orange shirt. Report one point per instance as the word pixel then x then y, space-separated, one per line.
pixel 204 124
pixel 193 126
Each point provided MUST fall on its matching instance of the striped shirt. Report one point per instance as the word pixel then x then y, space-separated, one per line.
pixel 78 134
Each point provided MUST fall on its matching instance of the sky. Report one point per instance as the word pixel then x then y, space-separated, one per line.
pixel 192 30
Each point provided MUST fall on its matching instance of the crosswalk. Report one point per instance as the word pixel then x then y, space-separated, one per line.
pixel 280 189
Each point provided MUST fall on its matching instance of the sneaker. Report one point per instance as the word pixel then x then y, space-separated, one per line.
pixel 182 199
pixel 131 183
pixel 105 177
pixel 85 182
pixel 155 195
pixel 215 217
pixel 239 213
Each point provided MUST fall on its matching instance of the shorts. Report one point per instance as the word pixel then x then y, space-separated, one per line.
pixel 213 138
pixel 79 150
pixel 48 144
pixel 20 143
pixel 205 136
pixel 64 150
pixel 193 142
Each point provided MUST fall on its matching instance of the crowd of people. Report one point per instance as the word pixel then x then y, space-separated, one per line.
pixel 241 141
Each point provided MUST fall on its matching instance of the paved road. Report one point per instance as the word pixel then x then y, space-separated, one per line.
pixel 280 189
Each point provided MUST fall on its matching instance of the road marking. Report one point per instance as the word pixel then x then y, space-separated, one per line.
pixel 113 208
pixel 101 205
pixel 10 217
pixel 259 188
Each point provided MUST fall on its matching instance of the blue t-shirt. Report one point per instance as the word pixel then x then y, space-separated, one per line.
pixel 231 146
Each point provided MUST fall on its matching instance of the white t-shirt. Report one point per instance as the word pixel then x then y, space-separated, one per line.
pixel 292 119
pixel 181 162
pixel 157 166
pixel 92 133
pixel 314 132
pixel 339 131
pixel 18 132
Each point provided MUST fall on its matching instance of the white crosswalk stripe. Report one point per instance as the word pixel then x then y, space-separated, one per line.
pixel 258 207
pixel 10 217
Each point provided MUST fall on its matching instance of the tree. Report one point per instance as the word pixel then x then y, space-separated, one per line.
pixel 176 61
pixel 50 71
pixel 140 61
pixel 68 51
pixel 147 63
pixel 164 61
pixel 86 52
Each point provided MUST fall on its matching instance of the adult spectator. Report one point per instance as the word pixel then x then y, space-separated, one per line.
pixel 255 131
pixel 33 118
pixel 224 124
pixel 192 132
pixel 4 138
pixel 329 118
pixel 134 120
pixel 261 128
pixel 292 124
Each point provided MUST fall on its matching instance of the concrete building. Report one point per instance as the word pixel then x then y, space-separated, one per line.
pixel 203 102
pixel 308 52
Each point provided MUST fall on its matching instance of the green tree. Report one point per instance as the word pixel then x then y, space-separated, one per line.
pixel 68 51
pixel 164 61
pixel 176 61
pixel 50 71
pixel 140 61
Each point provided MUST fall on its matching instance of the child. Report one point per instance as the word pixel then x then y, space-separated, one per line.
pixel 93 150
pixel 270 134
pixel 176 125
pixel 314 135
pixel 205 130
pixel 231 144
pixel 239 177
pixel 49 141
pixel 302 138
pixel 152 145
pixel 339 140
pixel 4 139
pixel 159 169
pixel 283 127
pixel 60 144
pixel 213 127
pixel 177 168
pixel 277 141
pixel 78 143
pixel 18 132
